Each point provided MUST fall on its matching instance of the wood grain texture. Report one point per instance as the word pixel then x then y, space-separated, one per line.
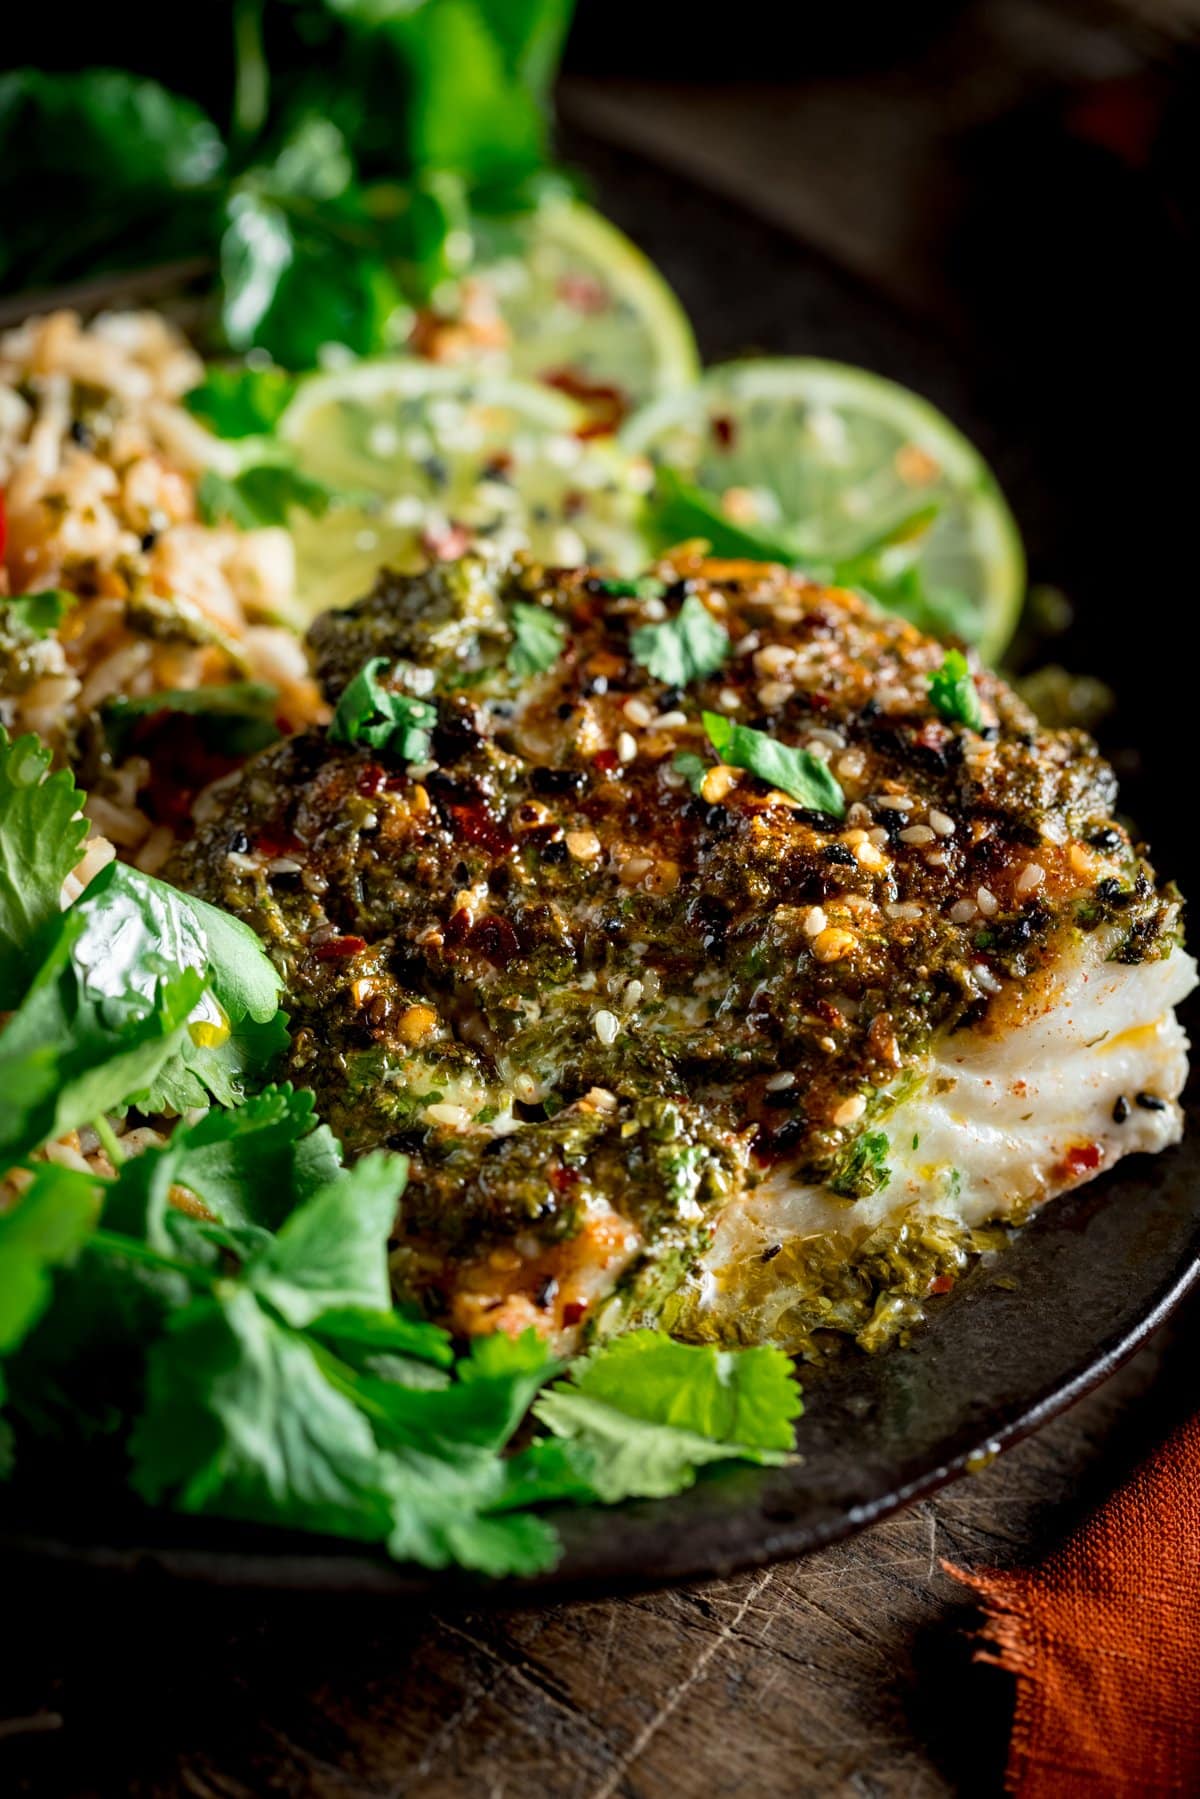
pixel 847 1673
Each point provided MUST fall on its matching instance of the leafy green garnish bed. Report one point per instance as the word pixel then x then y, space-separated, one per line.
pixel 211 1325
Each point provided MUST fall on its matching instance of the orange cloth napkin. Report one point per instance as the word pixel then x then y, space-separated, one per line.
pixel 1104 1641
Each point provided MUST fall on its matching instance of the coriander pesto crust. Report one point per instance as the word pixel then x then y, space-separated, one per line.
pixel 609 992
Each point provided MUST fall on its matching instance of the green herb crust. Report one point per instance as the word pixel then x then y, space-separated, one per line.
pixel 570 927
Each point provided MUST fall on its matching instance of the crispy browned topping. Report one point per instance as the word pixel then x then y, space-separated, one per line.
pixel 547 907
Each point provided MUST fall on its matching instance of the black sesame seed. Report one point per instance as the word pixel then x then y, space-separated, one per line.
pixel 565 709
pixel 149 540
pixel 670 698
pixel 546 1291
pixel 779 1099
pixel 1150 1102
pixel 239 844
pixel 1120 1111
pixel 776 1249
pixel 1106 839
pixel 555 852
pixel 81 434
pixel 552 781
pixel 837 852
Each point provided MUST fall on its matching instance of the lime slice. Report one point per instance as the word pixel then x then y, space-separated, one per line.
pixel 443 459
pixel 855 473
pixel 559 295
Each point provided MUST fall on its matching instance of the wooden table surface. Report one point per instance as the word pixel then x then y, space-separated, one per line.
pixel 849 1672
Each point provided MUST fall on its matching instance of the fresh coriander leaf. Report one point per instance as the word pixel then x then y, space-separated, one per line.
pixel 682 649
pixel 538 638
pixel 678 510
pixel 693 768
pixel 383 719
pixel 134 166
pixel 332 1252
pixel 798 773
pixel 953 692
pixel 37 615
pixel 357 1330
pixel 747 1397
pixel 646 587
pixel 251 1167
pixel 48 1225
pixel 641 1416
pixel 262 494
pixel 863 1169
pixel 42 833
pixel 239 716
pixel 240 1420
pixel 450 1510
pixel 67 1054
pixel 218 1063
pixel 236 401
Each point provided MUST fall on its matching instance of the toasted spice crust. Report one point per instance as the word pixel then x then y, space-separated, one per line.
pixel 552 908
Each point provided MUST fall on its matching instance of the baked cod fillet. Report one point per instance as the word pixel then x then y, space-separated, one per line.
pixel 660 1039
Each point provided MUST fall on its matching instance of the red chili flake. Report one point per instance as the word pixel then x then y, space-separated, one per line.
pixel 370 779
pixel 610 404
pixel 941 1283
pixel 584 292
pixel 475 824
pixel 336 949
pixel 448 545
pixel 724 431
pixel 266 844
pixel 606 761
pixel 573 1311
pixel 562 1178
pixel 1083 1157
pixel 494 939
pixel 457 927
pixel 933 735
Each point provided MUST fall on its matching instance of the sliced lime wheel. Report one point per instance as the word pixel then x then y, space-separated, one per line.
pixel 442 459
pixel 560 295
pixel 854 473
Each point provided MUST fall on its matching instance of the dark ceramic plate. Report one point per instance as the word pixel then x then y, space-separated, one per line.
pixel 1084 1285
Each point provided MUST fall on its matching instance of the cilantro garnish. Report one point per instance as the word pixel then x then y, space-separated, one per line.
pixel 798 773
pixel 42 832
pixel 380 717
pixel 953 692
pixel 236 401
pixel 37 615
pixel 538 638
pixel 863 1169
pixel 262 494
pixel 684 648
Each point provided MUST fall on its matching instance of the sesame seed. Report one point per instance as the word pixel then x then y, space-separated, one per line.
pixel 850 1110
pixel 917 834
pixel 851 765
pixel 1120 1111
pixel 633 992
pixel 815 921
pixel 985 978
pixel 773 693
pixel 943 825
pixel 606 1025
pixel 633 870
pixel 453 1117
pixel 937 859
pixel 962 910
pixel 582 845
pixel 868 855
pixel 893 802
pixel 773 658
pixel 878 836
pixel 627 747
pixel 669 721
pixel 779 1083
pixel 858 814
pixel 820 750
pixel 987 902
pixel 527 1090
pixel 729 699
pixel 1032 876
pixel 637 712
pixel 599 1099
pixel 904 909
